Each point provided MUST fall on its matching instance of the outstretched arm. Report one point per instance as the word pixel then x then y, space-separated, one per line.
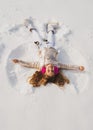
pixel 71 67
pixel 26 64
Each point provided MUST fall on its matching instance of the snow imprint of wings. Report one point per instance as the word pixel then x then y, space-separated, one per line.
pixel 28 52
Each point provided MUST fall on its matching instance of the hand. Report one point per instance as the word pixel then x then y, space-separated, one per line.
pixel 81 68
pixel 15 60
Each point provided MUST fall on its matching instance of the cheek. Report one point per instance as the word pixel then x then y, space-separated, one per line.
pixel 47 70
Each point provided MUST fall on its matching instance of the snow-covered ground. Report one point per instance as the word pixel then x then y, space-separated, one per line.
pixel 46 108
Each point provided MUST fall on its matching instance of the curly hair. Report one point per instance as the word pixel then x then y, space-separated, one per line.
pixel 38 79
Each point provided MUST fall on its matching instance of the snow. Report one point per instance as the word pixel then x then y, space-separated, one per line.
pixel 49 107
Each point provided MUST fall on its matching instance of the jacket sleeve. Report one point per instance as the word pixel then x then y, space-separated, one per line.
pixel 69 67
pixel 29 64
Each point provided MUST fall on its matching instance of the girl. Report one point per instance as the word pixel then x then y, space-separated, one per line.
pixel 49 69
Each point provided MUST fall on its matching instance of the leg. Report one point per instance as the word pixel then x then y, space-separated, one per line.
pixel 36 39
pixel 51 38
pixel 51 30
pixel 28 23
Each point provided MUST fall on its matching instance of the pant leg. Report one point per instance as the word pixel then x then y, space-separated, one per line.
pixel 36 36
pixel 51 38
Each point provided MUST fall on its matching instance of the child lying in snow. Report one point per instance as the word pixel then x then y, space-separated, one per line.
pixel 49 68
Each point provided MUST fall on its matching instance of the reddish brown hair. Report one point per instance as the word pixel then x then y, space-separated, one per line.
pixel 38 79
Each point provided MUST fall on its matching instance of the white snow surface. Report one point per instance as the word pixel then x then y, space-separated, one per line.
pixel 48 107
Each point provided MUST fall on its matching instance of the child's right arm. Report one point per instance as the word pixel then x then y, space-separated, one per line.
pixel 26 64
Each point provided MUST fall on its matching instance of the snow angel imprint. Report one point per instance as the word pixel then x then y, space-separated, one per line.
pixel 49 69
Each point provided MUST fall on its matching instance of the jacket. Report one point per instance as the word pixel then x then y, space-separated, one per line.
pixel 47 56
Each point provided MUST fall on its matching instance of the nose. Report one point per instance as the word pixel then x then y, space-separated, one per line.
pixel 51 65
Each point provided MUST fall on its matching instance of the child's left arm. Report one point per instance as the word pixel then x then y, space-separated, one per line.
pixel 71 67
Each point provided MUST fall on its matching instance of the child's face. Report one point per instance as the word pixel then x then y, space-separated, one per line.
pixel 49 70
